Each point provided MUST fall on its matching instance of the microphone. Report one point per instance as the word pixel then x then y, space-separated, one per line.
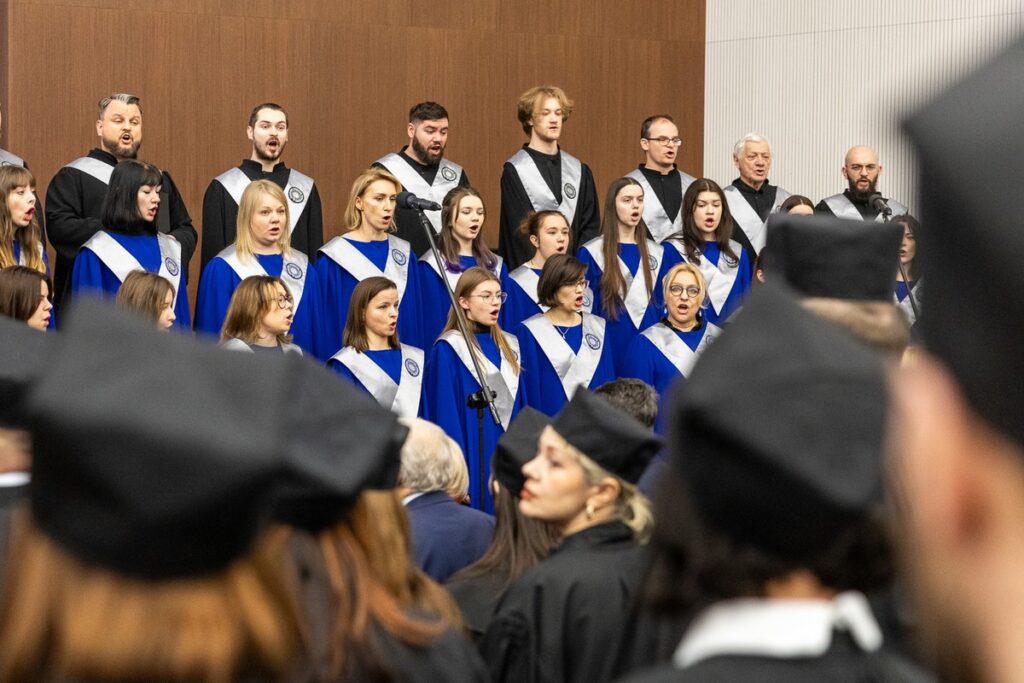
pixel 407 200
pixel 879 204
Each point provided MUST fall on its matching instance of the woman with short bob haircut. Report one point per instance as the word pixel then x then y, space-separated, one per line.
pixel 560 620
pixel 263 247
pixel 259 316
pixel 462 246
pixel 149 296
pixel 21 236
pixel 129 239
pixel 372 358
pixel 26 295
pixel 706 241
pixel 368 249
pixel 564 348
pixel 451 375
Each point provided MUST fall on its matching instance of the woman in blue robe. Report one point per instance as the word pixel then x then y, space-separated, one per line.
pixel 462 246
pixel 624 296
pixel 909 288
pixel 130 241
pixel 19 221
pixel 706 241
pixel 262 247
pixel 368 250
pixel 549 233
pixel 451 377
pixel 372 358
pixel 563 348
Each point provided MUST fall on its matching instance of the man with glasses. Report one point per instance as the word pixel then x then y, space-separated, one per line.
pixel 664 184
pixel 751 197
pixel 861 170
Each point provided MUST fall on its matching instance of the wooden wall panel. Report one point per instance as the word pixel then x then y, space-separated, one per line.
pixel 347 73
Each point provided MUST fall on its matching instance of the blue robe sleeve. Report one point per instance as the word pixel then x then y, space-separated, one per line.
pixel 346 373
pixel 637 363
pixel 90 275
pixel 216 285
pixel 307 326
pixel 605 370
pixel 519 306
pixel 410 330
pixel 505 321
pixel 434 306
pixel 444 396
pixel 336 287
pixel 534 369
pixel 594 276
pixel 182 313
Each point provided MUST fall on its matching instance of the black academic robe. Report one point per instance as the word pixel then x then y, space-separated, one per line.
pixel 867 211
pixel 514 247
pixel 561 620
pixel 761 201
pixel 73 203
pixel 220 214
pixel 407 221
pixel 477 598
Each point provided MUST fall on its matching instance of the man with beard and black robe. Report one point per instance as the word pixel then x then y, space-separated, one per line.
pixel 75 195
pixel 861 170
pixel 268 131
pixel 663 183
pixel 751 197
pixel 422 169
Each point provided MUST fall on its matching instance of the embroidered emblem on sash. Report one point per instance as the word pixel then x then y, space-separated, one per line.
pixel 412 367
pixel 398 257
pixel 294 271
pixel 652 262
pixel 569 190
pixel 587 303
pixel 592 341
pixel 448 173
pixel 172 266
pixel 295 194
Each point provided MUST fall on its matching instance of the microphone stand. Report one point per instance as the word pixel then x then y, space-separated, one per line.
pixel 480 399
pixel 886 214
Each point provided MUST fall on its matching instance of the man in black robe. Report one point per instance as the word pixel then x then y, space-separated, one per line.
pixel 268 132
pixel 861 171
pixel 541 176
pixel 752 198
pixel 663 183
pixel 75 195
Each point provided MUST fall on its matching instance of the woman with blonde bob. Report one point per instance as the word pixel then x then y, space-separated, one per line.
pixel 451 375
pixel 21 237
pixel 668 349
pixel 368 249
pixel 262 247
pixel 149 296
pixel 561 618
pixel 259 317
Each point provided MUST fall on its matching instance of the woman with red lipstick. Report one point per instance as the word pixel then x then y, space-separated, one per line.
pixel 706 241
pixel 130 241
pixel 462 246
pixel 451 375
pixel 263 247
pixel 368 249
pixel 372 358
pixel 21 237
pixel 26 295
pixel 564 348
pixel 623 294
pixel 259 317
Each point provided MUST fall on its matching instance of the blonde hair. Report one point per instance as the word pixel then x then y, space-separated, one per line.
pixel 693 270
pixel 468 281
pixel 250 302
pixel 353 216
pixel 244 241
pixel 30 237
pixel 143 293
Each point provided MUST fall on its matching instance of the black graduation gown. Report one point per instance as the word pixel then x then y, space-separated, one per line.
pixel 220 214
pixel 867 212
pixel 515 205
pixel 768 194
pixel 407 221
pixel 561 620
pixel 477 597
pixel 73 203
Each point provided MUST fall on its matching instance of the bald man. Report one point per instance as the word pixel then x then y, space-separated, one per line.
pixel 861 170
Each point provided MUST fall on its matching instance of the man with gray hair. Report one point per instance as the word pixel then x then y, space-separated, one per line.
pixel 751 197
pixel 75 196
pixel 446 536
pixel 861 170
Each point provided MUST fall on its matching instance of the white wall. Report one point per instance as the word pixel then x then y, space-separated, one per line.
pixel 818 76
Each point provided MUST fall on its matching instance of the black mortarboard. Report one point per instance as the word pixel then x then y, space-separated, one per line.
pixel 613 439
pixel 25 353
pixel 516 447
pixel 824 256
pixel 969 144
pixel 158 456
pixel 778 432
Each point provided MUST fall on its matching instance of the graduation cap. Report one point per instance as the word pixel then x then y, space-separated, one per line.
pixel 613 439
pixel 969 143
pixel 824 256
pixel 25 355
pixel 161 457
pixel 516 447
pixel 778 432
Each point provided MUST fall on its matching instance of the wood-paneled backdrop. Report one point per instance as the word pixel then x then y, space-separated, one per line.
pixel 347 72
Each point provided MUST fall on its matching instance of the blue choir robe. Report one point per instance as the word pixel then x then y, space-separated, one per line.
pixel 450 379
pixel 394 377
pixel 554 366
pixel 640 310
pixel 16 252
pixel 728 281
pixel 105 260
pixel 344 263
pixel 226 271
pixel 661 354
pixel 523 302
pixel 435 301
pixel 903 301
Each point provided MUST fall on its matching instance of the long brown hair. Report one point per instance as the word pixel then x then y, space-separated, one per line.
pixel 691 236
pixel 470 280
pixel 449 246
pixel 355 322
pixel 29 237
pixel 143 294
pixel 613 283
pixel 251 301
pixel 19 291
pixel 61 618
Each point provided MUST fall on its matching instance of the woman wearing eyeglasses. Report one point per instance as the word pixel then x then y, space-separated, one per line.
pixel 451 376
pixel 259 317
pixel 262 247
pixel 564 348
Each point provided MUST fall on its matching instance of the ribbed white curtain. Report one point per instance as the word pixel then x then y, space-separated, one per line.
pixel 819 76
